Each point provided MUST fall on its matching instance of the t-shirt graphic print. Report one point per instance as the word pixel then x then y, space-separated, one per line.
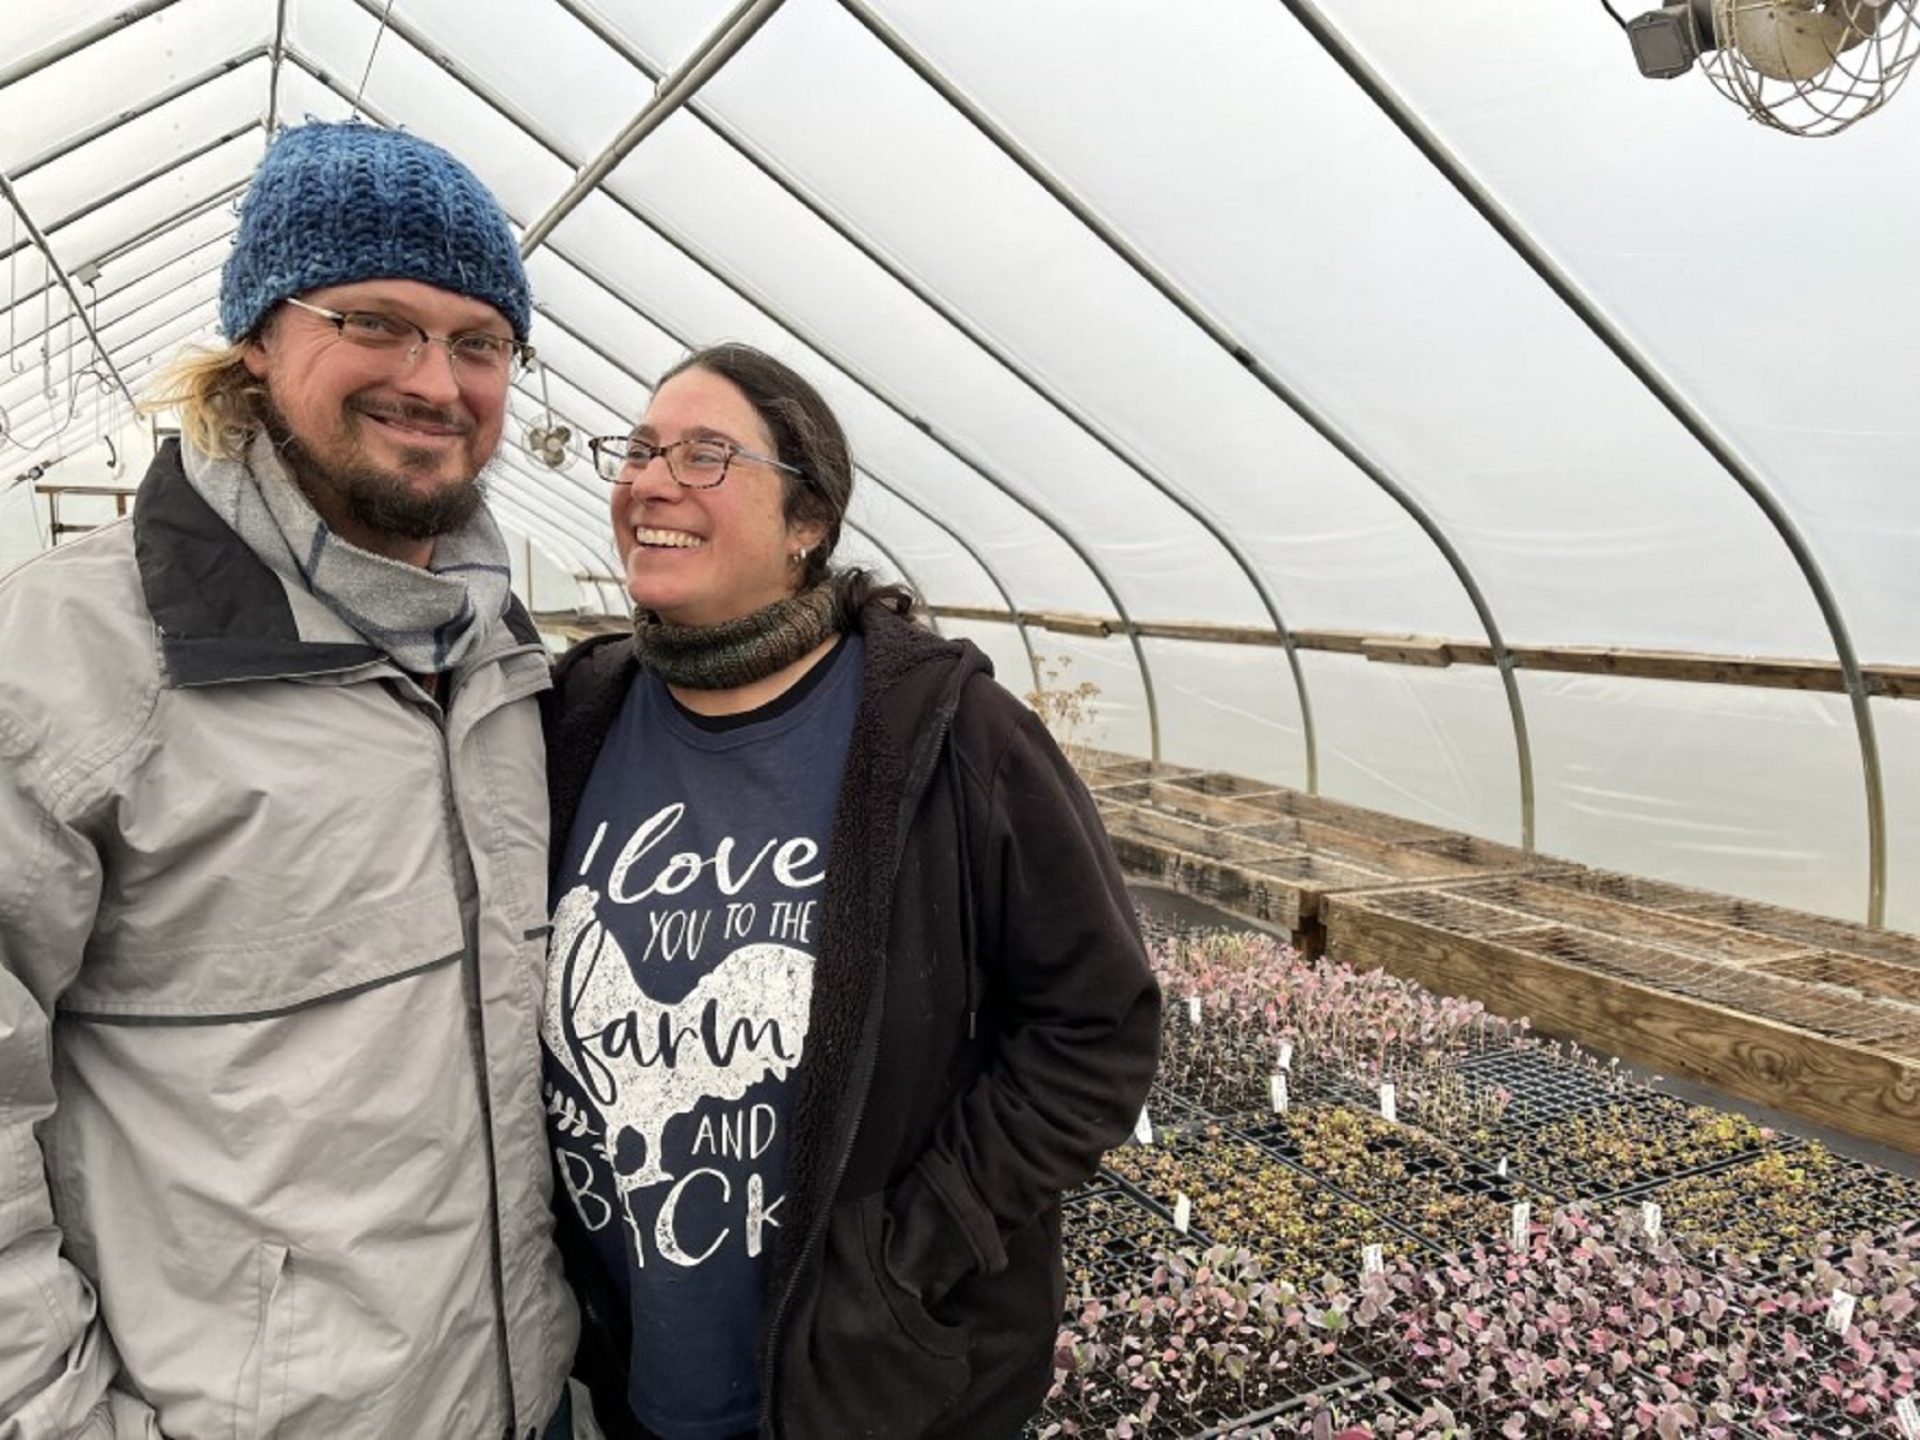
pixel 680 974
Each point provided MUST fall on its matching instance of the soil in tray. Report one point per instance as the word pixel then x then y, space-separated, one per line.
pixel 1811 1382
pixel 1297 1416
pixel 1634 1141
pixel 1244 1197
pixel 1372 1410
pixel 1220 1065
pixel 1194 1351
pixel 1112 1242
pixel 1542 1084
pixel 1271 1401
pixel 1782 1202
pixel 1400 1174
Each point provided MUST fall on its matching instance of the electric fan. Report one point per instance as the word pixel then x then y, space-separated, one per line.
pixel 1809 67
pixel 548 442
pixel 547 438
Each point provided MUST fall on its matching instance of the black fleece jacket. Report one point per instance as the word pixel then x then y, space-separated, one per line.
pixel 983 1028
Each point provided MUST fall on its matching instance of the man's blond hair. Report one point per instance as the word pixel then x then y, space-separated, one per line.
pixel 217 397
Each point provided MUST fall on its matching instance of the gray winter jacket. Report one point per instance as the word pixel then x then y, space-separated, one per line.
pixel 271 940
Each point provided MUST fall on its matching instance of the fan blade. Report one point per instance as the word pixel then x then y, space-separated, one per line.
pixel 1791 40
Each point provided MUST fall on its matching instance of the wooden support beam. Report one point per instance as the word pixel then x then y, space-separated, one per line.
pixel 1894 682
pixel 1867 1089
pixel 1414 650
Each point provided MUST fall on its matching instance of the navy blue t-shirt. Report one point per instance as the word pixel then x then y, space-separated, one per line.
pixel 686 922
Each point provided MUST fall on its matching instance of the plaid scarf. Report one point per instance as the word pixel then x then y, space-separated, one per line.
pixel 426 619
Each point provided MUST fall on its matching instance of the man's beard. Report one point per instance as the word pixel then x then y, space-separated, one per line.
pixel 380 501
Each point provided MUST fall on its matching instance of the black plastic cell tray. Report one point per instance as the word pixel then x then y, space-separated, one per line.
pixel 1347 1380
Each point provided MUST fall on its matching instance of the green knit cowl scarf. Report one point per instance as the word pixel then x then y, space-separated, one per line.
pixel 737 652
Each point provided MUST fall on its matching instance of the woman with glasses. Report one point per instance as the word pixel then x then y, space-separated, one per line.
pixel 844 988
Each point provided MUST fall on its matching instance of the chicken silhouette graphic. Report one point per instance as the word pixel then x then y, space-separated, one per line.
pixel 640 1062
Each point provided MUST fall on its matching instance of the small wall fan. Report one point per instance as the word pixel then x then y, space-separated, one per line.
pixel 1809 67
pixel 547 438
pixel 548 442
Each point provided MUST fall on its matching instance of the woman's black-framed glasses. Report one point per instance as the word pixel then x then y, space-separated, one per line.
pixel 700 464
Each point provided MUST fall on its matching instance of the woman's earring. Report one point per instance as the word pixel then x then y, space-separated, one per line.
pixel 799 557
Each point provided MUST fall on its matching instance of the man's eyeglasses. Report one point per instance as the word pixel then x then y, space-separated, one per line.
pixel 473 352
pixel 698 462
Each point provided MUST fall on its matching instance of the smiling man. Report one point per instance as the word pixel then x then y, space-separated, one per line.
pixel 274 820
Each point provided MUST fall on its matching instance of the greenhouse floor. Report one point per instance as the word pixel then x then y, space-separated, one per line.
pixel 1356 1208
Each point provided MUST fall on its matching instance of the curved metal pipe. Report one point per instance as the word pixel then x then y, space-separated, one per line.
pixel 901 276
pixel 1216 331
pixel 126 315
pixel 1609 333
pixel 73 44
pixel 993 578
pixel 120 192
pixel 272 117
pixel 156 101
pixel 561 411
pixel 533 132
pixel 66 284
pixel 720 45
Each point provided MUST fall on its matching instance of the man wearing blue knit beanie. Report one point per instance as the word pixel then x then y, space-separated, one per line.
pixel 275 820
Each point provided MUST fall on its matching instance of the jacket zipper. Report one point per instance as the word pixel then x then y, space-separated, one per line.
pixel 477 1045
pixel 864 1063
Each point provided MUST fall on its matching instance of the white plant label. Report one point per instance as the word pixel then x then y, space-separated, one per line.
pixel 1650 1218
pixel 1277 1084
pixel 1907 1411
pixel 1501 1169
pixel 1840 1311
pixel 1522 1224
pixel 1372 1261
pixel 1193 1009
pixel 1143 1129
pixel 1182 1213
pixel 1389 1108
pixel 1286 1054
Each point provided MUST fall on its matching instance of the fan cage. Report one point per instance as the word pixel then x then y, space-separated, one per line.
pixel 1860 80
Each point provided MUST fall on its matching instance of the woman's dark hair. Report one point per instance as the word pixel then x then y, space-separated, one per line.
pixel 807 436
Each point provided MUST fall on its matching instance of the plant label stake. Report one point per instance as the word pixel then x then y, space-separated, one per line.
pixel 1650 1218
pixel 1372 1261
pixel 1277 1085
pixel 1389 1110
pixel 1286 1055
pixel 1907 1411
pixel 1193 1010
pixel 1522 1224
pixel 1501 1169
pixel 1182 1213
pixel 1840 1311
pixel 1143 1128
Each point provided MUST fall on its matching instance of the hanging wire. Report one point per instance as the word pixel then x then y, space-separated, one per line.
pixel 46 342
pixel 372 51
pixel 1607 5
pixel 13 294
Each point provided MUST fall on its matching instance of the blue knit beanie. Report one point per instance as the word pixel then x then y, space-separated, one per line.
pixel 333 204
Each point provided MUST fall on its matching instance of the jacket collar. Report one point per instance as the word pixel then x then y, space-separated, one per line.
pixel 223 616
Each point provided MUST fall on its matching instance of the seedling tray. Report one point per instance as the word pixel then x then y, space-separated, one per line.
pixel 1635 1142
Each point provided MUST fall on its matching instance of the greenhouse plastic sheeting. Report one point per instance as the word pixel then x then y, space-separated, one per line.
pixel 1279 378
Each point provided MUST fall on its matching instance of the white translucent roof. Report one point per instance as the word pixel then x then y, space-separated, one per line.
pixel 1373 319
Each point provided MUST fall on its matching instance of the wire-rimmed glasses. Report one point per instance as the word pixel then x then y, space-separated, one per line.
pixel 473 352
pixel 701 463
